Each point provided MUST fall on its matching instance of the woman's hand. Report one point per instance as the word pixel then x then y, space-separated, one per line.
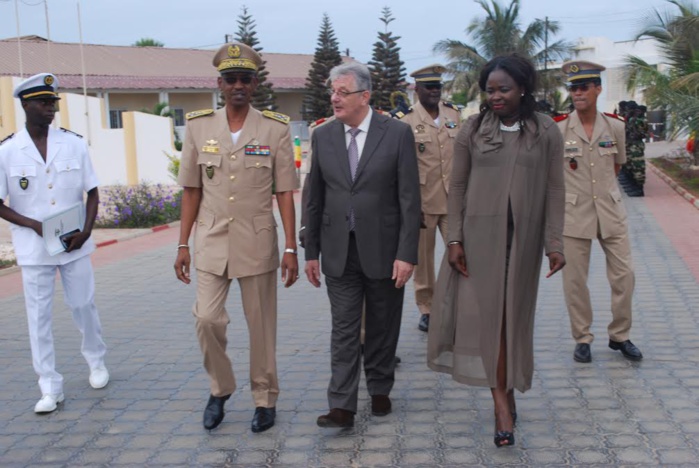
pixel 457 258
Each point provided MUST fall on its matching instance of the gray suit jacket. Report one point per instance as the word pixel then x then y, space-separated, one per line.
pixel 385 196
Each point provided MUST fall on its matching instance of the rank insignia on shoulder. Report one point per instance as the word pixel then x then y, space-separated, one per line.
pixel 285 119
pixel 560 118
pixel 451 104
pixel 257 150
pixel 70 131
pixel 198 113
pixel 399 115
pixel 615 116
pixel 607 144
pixel 6 138
pixel 317 122
pixel 450 124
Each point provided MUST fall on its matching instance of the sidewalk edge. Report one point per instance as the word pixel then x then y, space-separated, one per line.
pixel 145 232
pixel 675 186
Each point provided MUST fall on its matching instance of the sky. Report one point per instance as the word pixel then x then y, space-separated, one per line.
pixel 293 26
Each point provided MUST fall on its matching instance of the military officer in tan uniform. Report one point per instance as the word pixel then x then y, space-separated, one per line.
pixel 435 124
pixel 594 152
pixel 231 160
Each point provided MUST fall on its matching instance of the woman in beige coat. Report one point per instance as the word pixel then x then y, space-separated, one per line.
pixel 505 207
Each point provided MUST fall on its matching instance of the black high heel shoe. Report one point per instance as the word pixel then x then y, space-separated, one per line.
pixel 504 438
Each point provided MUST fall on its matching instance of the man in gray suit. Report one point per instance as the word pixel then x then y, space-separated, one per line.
pixel 364 218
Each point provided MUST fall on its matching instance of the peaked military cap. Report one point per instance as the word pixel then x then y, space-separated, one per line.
pixel 40 86
pixel 236 56
pixel 430 73
pixel 581 71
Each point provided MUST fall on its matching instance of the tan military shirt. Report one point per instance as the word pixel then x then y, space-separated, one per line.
pixel 593 198
pixel 235 227
pixel 435 151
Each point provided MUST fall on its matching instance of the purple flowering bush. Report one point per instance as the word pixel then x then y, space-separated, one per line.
pixel 141 206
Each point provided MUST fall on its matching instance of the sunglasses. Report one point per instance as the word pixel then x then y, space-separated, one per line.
pixel 581 87
pixel 431 86
pixel 233 79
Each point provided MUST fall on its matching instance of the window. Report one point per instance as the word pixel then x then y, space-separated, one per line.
pixel 115 118
pixel 178 115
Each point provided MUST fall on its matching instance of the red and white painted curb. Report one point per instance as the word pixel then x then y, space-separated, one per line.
pixel 675 186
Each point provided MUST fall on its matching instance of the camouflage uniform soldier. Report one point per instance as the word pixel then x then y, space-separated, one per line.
pixel 636 147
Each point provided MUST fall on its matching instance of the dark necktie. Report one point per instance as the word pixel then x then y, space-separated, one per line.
pixel 353 155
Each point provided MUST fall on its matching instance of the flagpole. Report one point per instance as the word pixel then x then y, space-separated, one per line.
pixel 82 64
pixel 48 35
pixel 19 41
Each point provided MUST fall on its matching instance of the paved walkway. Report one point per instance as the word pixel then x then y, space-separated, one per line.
pixel 608 413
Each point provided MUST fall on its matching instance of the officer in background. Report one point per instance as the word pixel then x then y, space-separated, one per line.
pixel 435 124
pixel 45 171
pixel 231 160
pixel 594 152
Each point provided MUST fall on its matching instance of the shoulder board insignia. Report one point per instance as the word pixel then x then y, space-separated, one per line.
pixel 382 112
pixel 199 113
pixel 285 119
pixel 560 118
pixel 70 131
pixel 452 105
pixel 399 115
pixel 318 122
pixel 615 116
pixel 6 138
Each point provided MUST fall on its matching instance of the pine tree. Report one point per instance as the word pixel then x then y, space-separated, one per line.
pixel 316 102
pixel 387 70
pixel 264 97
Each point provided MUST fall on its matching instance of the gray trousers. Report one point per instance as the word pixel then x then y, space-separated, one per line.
pixel 384 308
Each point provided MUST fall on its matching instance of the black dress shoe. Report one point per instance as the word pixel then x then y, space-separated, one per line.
pixel 380 405
pixel 213 413
pixel 263 419
pixel 628 349
pixel 424 323
pixel 336 418
pixel 582 353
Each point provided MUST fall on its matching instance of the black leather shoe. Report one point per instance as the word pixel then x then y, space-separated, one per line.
pixel 213 413
pixel 582 353
pixel 628 349
pixel 424 323
pixel 263 419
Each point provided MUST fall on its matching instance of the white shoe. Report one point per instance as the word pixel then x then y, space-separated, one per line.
pixel 99 377
pixel 48 403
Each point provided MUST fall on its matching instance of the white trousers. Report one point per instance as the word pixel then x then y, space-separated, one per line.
pixel 79 293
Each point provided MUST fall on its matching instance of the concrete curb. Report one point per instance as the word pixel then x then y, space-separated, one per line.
pixel 675 186
pixel 105 243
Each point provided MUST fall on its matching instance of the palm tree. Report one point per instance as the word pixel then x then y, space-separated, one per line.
pixel 497 34
pixel 674 86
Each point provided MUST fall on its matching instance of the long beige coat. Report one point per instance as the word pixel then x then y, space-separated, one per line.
pixel 467 313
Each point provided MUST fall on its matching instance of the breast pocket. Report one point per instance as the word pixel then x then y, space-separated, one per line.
pixel 258 170
pixel 23 180
pixel 210 165
pixel 68 173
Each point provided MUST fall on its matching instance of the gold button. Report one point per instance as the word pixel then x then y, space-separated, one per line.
pixel 50 186
pixel 444 177
pixel 441 146
pixel 257 164
pixel 594 181
pixel 232 177
pixel 208 163
pixel 592 164
pixel 53 202
pixel 231 219
pixel 232 198
pixel 441 160
pixel 590 148
pixel 233 156
pixel 595 197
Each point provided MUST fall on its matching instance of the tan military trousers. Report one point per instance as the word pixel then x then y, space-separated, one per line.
pixel 424 270
pixel 621 279
pixel 259 297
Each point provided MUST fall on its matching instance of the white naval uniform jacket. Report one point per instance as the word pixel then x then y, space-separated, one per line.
pixel 50 187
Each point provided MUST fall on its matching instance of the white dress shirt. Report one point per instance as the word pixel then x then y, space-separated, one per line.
pixel 361 136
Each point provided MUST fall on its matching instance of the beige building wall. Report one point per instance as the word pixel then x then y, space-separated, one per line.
pixel 290 103
pixel 133 101
pixel 190 101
